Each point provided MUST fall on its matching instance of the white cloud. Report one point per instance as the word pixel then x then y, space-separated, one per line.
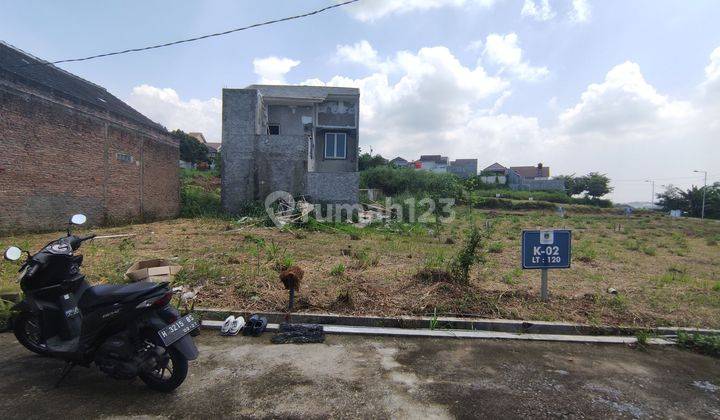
pixel 625 127
pixel 537 10
pixel 360 52
pixel 165 107
pixel 505 51
pixel 476 45
pixel 369 10
pixel 711 85
pixel 621 125
pixel 272 70
pixel 580 11
pixel 416 100
pixel 363 53
pixel 712 71
pixel 624 103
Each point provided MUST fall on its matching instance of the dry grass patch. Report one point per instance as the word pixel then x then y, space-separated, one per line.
pixel 666 271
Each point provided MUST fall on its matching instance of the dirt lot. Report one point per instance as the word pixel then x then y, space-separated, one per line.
pixel 667 272
pixel 381 378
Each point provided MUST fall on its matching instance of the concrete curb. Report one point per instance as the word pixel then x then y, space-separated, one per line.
pixel 454 323
pixel 412 332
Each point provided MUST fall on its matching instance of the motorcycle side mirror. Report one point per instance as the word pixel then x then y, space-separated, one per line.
pixel 78 219
pixel 13 253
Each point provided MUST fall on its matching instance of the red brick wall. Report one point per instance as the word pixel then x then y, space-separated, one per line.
pixel 161 182
pixel 56 161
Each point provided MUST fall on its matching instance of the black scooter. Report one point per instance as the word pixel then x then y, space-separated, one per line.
pixel 127 330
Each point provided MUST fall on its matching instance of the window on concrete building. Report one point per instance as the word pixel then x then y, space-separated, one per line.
pixel 335 145
pixel 274 129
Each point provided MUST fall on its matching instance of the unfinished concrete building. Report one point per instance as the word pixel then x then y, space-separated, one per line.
pixel 299 139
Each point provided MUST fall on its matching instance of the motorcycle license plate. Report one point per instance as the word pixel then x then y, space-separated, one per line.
pixel 178 329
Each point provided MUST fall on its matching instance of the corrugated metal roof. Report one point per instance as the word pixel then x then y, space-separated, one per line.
pixel 22 68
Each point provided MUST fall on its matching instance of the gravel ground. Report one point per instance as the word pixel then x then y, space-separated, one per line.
pixel 380 377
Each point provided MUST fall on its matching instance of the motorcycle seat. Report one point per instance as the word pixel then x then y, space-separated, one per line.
pixel 110 293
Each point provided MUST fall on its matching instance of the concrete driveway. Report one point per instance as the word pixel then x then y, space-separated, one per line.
pixel 376 377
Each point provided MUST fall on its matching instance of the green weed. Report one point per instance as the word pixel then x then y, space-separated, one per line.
pixel 512 277
pixel 496 247
pixel 705 344
pixel 585 251
pixel 434 320
pixel 338 270
pixel 364 259
pixel 674 274
pixel 642 337
pixel 648 250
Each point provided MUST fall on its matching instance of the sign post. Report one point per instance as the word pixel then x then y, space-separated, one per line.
pixel 544 250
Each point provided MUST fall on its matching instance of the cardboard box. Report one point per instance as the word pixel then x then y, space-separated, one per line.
pixel 158 270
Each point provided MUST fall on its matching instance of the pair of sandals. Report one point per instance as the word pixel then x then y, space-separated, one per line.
pixel 232 325
pixel 255 326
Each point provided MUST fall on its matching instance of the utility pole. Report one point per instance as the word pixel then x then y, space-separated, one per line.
pixel 702 211
pixel 652 199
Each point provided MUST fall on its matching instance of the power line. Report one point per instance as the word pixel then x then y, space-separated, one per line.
pixel 152 47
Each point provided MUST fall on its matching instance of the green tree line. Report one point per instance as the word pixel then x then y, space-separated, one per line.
pixel 690 200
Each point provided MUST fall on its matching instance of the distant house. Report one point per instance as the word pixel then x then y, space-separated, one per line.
pixel 213 150
pixel 495 169
pixel 531 178
pixel 401 163
pixel 433 163
pixel 464 168
pixel 532 172
pixel 494 174
pixel 199 137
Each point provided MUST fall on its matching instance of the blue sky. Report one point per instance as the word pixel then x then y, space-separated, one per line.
pixel 629 88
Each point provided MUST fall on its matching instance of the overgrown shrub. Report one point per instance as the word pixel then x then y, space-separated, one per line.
pixel 705 344
pixel 503 203
pixel 394 181
pixel 468 255
pixel 199 194
pixel 559 197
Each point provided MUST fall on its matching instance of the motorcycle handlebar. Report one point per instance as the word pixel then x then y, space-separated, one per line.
pixel 32 270
pixel 75 241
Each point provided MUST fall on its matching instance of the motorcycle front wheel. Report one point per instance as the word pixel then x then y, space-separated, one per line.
pixel 26 327
pixel 167 375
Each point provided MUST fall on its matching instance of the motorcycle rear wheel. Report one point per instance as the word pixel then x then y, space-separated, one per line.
pixel 167 376
pixel 26 327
